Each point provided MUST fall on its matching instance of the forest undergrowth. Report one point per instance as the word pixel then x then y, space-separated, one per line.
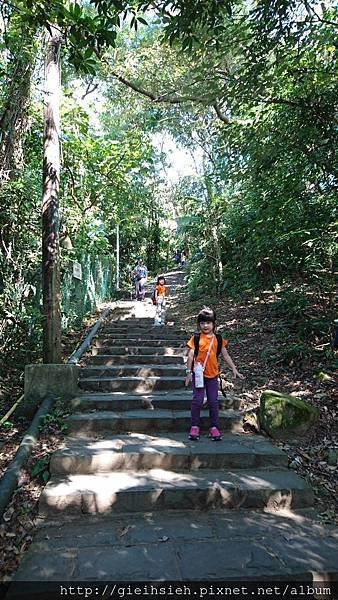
pixel 255 327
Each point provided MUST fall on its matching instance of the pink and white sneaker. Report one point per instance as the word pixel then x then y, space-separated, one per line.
pixel 194 433
pixel 215 434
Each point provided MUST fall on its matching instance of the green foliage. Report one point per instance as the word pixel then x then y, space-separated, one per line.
pixel 249 88
pixel 105 180
pixel 40 469
pixel 301 310
pixel 302 323
pixel 7 425
pixel 20 270
pixel 54 422
pixel 290 354
pixel 90 28
pixel 201 282
pixel 269 176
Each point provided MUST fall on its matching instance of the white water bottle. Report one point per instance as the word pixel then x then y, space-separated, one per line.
pixel 199 379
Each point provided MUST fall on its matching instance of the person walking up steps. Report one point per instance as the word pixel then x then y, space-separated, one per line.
pixel 203 370
pixel 160 293
pixel 140 275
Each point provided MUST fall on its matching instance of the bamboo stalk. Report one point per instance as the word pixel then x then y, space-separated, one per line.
pixel 11 410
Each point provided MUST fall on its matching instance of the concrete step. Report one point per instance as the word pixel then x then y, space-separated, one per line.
pixel 137 384
pixel 126 370
pixel 158 333
pixel 134 359
pixel 158 489
pixel 133 321
pixel 117 401
pixel 171 451
pixel 142 330
pixel 137 350
pixel 147 421
pixel 184 546
pixel 103 341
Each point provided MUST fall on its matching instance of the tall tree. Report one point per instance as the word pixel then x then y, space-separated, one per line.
pixel 17 62
pixel 50 200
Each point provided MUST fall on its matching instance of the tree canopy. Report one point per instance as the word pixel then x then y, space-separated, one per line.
pixel 248 89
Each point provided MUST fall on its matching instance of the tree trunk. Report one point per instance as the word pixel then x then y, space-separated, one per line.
pixel 14 117
pixel 218 268
pixel 50 202
pixel 219 264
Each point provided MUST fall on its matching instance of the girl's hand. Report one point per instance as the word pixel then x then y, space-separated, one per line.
pixel 188 379
pixel 237 374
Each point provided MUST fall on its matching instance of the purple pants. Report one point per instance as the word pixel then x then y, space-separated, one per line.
pixel 211 387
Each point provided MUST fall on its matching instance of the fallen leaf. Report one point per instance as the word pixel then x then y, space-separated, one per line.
pixel 8 514
pixel 304 454
pixel 124 531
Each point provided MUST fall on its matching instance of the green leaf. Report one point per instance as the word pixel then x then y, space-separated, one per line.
pixel 39 466
pixel 45 476
pixel 77 10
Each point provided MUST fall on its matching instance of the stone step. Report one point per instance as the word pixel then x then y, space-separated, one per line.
pixel 117 401
pixel 127 370
pixel 158 489
pixel 134 320
pixel 136 359
pixel 172 451
pixel 142 330
pixel 138 350
pixel 138 341
pixel 147 421
pixel 157 334
pixel 137 384
pixel 183 546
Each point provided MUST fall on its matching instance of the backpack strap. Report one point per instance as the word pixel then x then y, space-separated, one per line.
pixel 219 343
pixel 196 343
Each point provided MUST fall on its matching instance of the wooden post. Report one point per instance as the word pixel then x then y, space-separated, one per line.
pixel 50 201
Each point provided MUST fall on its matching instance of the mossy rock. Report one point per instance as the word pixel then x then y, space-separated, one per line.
pixel 283 416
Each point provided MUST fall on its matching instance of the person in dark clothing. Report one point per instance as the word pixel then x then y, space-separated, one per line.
pixel 178 257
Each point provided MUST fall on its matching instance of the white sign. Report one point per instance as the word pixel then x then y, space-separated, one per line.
pixel 77 270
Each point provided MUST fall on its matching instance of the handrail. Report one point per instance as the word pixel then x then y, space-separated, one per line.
pixel 9 480
pixel 76 355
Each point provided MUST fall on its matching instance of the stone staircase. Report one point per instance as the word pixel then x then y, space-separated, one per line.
pixel 143 459
pixel 128 479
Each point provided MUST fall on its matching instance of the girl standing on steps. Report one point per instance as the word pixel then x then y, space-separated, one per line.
pixel 204 348
pixel 161 291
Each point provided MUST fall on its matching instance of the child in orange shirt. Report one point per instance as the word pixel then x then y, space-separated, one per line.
pixel 209 345
pixel 160 299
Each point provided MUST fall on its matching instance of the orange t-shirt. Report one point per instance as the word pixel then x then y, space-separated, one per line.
pixel 211 368
pixel 161 290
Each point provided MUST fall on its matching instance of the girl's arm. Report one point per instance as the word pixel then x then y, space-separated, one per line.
pixel 189 365
pixel 229 362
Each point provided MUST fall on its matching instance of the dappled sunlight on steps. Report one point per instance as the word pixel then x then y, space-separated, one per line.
pixel 127 479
